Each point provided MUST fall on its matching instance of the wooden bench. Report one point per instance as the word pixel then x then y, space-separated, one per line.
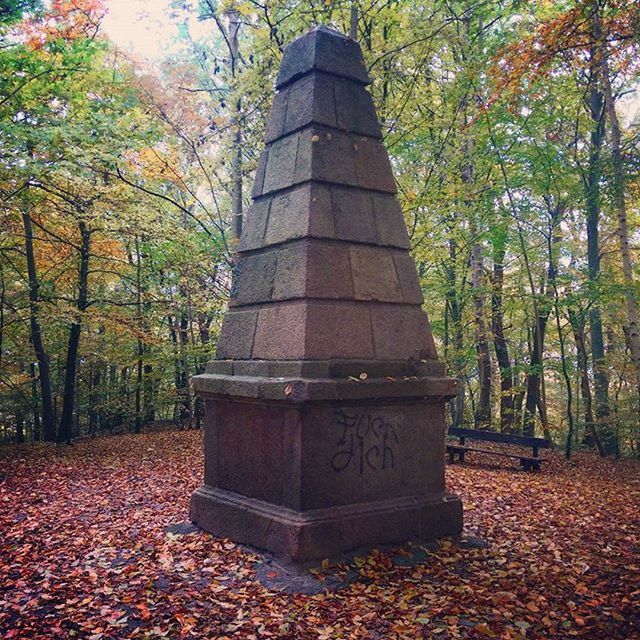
pixel 529 463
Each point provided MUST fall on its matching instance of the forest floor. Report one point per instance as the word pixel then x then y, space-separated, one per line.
pixel 95 543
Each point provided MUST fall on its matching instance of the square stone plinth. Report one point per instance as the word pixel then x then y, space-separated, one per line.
pixel 311 481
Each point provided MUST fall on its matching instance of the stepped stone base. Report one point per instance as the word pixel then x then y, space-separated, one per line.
pixel 323 533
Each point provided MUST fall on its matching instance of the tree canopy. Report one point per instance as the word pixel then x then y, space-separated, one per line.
pixel 513 135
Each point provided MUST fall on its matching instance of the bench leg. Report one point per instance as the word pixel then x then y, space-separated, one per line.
pixel 526 465
pixel 451 456
pixel 461 456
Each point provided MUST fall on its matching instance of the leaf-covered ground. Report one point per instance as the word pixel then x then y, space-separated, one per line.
pixel 91 547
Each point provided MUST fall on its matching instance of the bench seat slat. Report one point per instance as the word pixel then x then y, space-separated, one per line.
pixel 458 448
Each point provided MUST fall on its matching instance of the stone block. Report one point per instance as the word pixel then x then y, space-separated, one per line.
pixel 326 155
pixel 310 102
pixel 438 519
pixel 221 517
pixel 300 212
pixel 210 444
pixel 338 330
pixel 266 531
pixel 322 49
pixel 328 270
pixel 281 165
pixel 332 157
pixel 280 332
pixel 234 385
pixel 389 222
pixel 320 224
pixel 289 217
pixel 292 457
pixel 365 452
pixel 323 533
pixel 374 274
pixel 408 278
pixel 300 369
pixel 373 169
pixel 326 100
pixel 253 230
pixel 291 273
pixel 355 112
pixel 250 450
pixel 253 278
pixel 401 332
pixel 258 182
pixel 251 368
pixel 236 335
pixel 220 367
pixel 353 215
pixel 372 368
pixel 430 368
pixel 275 121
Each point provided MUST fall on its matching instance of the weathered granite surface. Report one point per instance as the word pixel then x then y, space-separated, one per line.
pixel 325 404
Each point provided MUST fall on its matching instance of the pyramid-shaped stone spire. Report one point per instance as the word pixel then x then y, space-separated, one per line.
pixel 324 410
pixel 323 270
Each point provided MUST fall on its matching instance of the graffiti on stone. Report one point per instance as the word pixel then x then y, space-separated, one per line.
pixel 366 442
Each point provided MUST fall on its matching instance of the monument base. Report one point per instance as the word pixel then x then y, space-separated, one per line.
pixel 307 468
pixel 323 533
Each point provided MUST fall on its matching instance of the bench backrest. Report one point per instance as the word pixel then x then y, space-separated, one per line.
pixel 494 436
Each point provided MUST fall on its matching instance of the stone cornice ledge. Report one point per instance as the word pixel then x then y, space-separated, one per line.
pixel 303 390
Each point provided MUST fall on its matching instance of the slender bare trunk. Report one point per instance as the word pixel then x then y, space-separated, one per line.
pixel 455 334
pixel 591 437
pixel 620 205
pixel 42 356
pixel 71 366
pixel 236 158
pixel 499 340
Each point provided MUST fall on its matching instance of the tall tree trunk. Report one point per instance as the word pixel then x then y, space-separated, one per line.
pixel 553 240
pixel 95 377
pixel 137 424
pixel 236 158
pixel 71 366
pixel 20 426
pixel 499 341
pixel 148 406
pixel 536 400
pixel 534 374
pixel 595 102
pixel 353 20
pixel 3 303
pixel 35 403
pixel 620 205
pixel 577 324
pixel 179 337
pixel 42 357
pixel 456 333
pixel 183 335
pixel 482 414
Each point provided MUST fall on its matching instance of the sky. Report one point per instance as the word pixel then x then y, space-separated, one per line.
pixel 146 27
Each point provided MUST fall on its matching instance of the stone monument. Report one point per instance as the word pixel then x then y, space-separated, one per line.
pixel 324 407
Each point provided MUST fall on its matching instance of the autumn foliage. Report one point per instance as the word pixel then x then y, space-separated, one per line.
pixel 96 544
pixel 568 35
pixel 65 20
